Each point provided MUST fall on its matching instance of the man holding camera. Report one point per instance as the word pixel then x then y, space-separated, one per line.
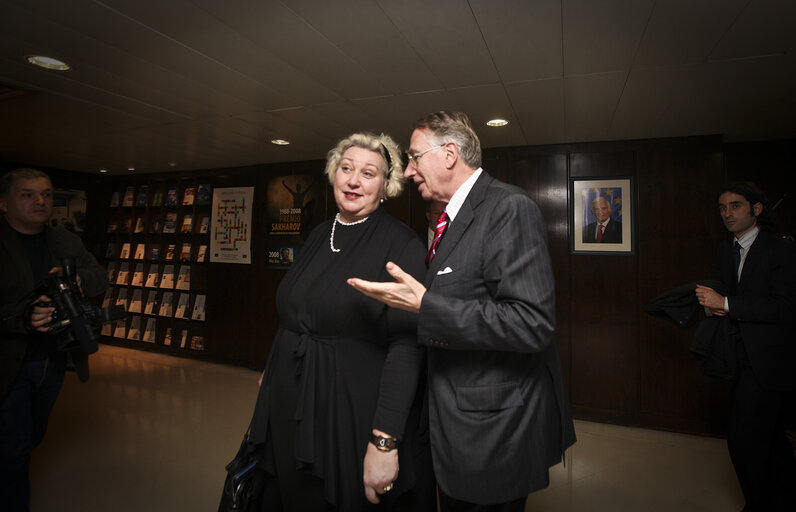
pixel 31 366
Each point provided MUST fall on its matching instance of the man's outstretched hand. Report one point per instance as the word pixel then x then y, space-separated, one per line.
pixel 405 293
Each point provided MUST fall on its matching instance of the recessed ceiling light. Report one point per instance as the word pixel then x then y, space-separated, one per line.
pixel 172 164
pixel 131 168
pixel 103 171
pixel 48 62
pixel 280 142
pixel 497 122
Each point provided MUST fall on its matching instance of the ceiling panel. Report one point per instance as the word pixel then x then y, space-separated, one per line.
pixel 208 84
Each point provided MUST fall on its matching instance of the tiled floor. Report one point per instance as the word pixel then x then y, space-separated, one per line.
pixel 153 433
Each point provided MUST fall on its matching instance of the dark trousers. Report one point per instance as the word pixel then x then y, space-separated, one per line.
pixel 761 454
pixel 448 504
pixel 23 420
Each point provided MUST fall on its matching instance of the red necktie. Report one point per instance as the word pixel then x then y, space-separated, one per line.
pixel 600 234
pixel 442 225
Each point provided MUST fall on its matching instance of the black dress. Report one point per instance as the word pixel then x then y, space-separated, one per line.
pixel 343 364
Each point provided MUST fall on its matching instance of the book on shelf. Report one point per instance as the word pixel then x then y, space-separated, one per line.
pixel 170 224
pixel 111 271
pixel 204 224
pixel 121 329
pixel 139 225
pixel 187 223
pixel 121 299
pixel 182 306
pixel 167 337
pixel 184 277
pixel 185 252
pixel 125 253
pixel 129 193
pixel 114 199
pixel 199 308
pixel 171 196
pixel 150 308
pixel 167 278
pixel 143 195
pixel 152 276
pixel 136 302
pixel 123 277
pixel 149 332
pixel 155 225
pixel 166 305
pixel 197 342
pixel 154 252
pixel 138 275
pixel 110 252
pixel 204 194
pixel 157 197
pixel 170 252
pixel 135 329
pixel 113 226
pixel 188 196
pixel 201 254
pixel 107 300
pixel 140 250
pixel 183 338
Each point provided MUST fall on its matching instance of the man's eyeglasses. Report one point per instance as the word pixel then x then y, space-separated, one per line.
pixel 413 158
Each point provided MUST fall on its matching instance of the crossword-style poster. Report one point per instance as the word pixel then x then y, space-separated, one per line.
pixel 230 238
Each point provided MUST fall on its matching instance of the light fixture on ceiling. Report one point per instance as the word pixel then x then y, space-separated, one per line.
pixel 172 164
pixel 45 62
pixel 131 169
pixel 280 142
pixel 497 122
pixel 103 171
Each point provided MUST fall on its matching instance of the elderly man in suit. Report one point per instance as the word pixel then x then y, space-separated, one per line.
pixel 605 230
pixel 759 272
pixel 499 415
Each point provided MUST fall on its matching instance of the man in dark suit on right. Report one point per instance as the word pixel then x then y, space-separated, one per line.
pixel 759 270
pixel 605 230
pixel 499 415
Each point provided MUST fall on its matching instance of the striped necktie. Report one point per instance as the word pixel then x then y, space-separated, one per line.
pixel 442 225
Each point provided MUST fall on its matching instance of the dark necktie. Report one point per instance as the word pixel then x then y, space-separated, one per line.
pixel 736 258
pixel 442 225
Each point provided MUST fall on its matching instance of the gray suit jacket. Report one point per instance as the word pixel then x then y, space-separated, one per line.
pixel 498 409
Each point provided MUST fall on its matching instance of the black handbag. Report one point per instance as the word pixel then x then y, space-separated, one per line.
pixel 243 486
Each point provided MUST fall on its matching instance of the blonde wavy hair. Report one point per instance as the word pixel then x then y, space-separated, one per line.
pixel 381 144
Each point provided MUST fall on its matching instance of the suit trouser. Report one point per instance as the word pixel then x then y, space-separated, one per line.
pixel 23 420
pixel 759 448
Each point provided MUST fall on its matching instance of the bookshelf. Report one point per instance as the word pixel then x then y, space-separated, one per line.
pixel 156 251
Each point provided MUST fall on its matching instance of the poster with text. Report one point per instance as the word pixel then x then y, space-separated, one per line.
pixel 69 210
pixel 230 240
pixel 294 206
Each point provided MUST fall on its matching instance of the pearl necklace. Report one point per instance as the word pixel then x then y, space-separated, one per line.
pixel 334 225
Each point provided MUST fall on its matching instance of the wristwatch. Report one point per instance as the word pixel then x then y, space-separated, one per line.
pixel 384 444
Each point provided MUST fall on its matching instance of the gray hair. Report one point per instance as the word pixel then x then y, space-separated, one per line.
pixel 454 127
pixel 24 173
pixel 394 176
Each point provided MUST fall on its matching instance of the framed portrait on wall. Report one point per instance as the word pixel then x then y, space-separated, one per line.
pixel 602 216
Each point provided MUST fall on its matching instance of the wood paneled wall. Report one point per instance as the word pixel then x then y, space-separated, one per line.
pixel 621 365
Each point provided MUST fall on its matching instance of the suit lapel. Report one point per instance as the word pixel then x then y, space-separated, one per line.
pixel 753 259
pixel 459 225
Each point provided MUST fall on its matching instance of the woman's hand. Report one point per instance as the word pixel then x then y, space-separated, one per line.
pixel 380 469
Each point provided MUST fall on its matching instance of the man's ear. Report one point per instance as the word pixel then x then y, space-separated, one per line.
pixel 451 155
pixel 757 209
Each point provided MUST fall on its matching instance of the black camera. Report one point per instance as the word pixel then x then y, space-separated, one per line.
pixel 74 316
